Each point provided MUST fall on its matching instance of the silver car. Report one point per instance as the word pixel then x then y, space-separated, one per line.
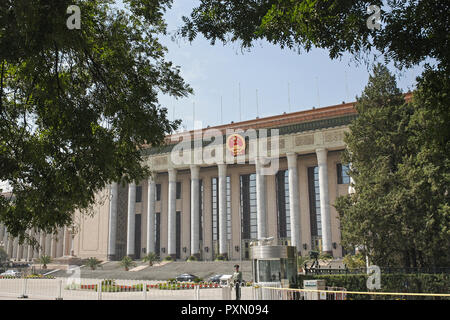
pixel 11 273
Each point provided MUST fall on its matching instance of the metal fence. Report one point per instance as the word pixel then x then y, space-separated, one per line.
pixel 95 289
pixel 334 293
pixel 386 270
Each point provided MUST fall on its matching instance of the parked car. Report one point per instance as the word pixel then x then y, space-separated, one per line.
pixel 186 277
pixel 11 273
pixel 215 278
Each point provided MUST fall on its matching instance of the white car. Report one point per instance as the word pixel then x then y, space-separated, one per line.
pixel 11 273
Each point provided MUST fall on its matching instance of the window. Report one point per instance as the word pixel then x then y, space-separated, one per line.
pixel 248 207
pixel 139 194
pixel 314 201
pixel 158 192
pixel 284 220
pixel 215 207
pixel 178 190
pixel 342 174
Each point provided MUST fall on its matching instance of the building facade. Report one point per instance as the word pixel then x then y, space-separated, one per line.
pixel 218 196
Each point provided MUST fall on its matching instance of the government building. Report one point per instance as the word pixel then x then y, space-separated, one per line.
pixel 221 195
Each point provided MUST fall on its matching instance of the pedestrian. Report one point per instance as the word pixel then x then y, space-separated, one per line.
pixel 237 279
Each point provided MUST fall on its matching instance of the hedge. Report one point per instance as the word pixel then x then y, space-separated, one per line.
pixel 405 283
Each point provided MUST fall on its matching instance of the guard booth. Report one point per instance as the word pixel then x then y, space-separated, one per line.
pixel 274 265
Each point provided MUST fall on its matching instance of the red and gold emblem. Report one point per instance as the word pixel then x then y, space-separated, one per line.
pixel 236 144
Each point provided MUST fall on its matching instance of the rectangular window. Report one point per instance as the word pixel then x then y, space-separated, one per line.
pixel 178 235
pixel 248 206
pixel 157 232
pixel 158 192
pixel 342 174
pixel 215 209
pixel 314 207
pixel 178 190
pixel 284 217
pixel 138 193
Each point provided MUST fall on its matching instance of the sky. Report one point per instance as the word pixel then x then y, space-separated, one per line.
pixel 272 80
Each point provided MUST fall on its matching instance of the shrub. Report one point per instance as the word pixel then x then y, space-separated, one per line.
pixel 127 262
pixel 197 280
pixel 151 258
pixel 220 258
pixel 396 282
pixel 92 263
pixel 168 258
pixel 44 260
pixel 192 258
pixel 354 261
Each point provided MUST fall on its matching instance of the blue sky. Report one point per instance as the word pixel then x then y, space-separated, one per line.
pixel 313 79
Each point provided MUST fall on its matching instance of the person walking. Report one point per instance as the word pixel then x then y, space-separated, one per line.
pixel 237 279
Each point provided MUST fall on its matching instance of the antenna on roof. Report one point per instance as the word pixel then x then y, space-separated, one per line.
pixel 221 110
pixel 240 115
pixel 257 106
pixel 193 115
pixel 289 97
pixel 346 86
pixel 318 94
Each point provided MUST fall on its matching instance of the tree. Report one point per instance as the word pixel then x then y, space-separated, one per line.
pixel 127 262
pixel 396 215
pixel 93 263
pixel 411 30
pixel 77 106
pixel 45 260
pixel 151 258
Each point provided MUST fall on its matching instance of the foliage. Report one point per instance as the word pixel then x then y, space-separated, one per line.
pixel 325 256
pixel 151 258
pixel 411 31
pixel 302 260
pixel 78 106
pixel 127 262
pixel 397 282
pixel 221 257
pixel 353 261
pixel 168 258
pixel 92 263
pixel 44 260
pixel 192 258
pixel 399 214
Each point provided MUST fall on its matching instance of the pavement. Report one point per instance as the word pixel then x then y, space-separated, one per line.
pixel 142 271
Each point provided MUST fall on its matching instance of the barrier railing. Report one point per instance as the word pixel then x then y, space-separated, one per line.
pixel 271 293
pixel 97 289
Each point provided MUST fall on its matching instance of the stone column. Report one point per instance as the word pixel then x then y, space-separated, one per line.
pixel 294 205
pixel 171 214
pixel 222 185
pixel 30 251
pixel 151 200
pixel 15 248
pixel 41 244
pixel 195 211
pixel 324 200
pixel 53 245
pixel 65 242
pixel 10 246
pixel 131 219
pixel 48 244
pixel 2 232
pixel 20 249
pixel 113 202
pixel 60 246
pixel 260 200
